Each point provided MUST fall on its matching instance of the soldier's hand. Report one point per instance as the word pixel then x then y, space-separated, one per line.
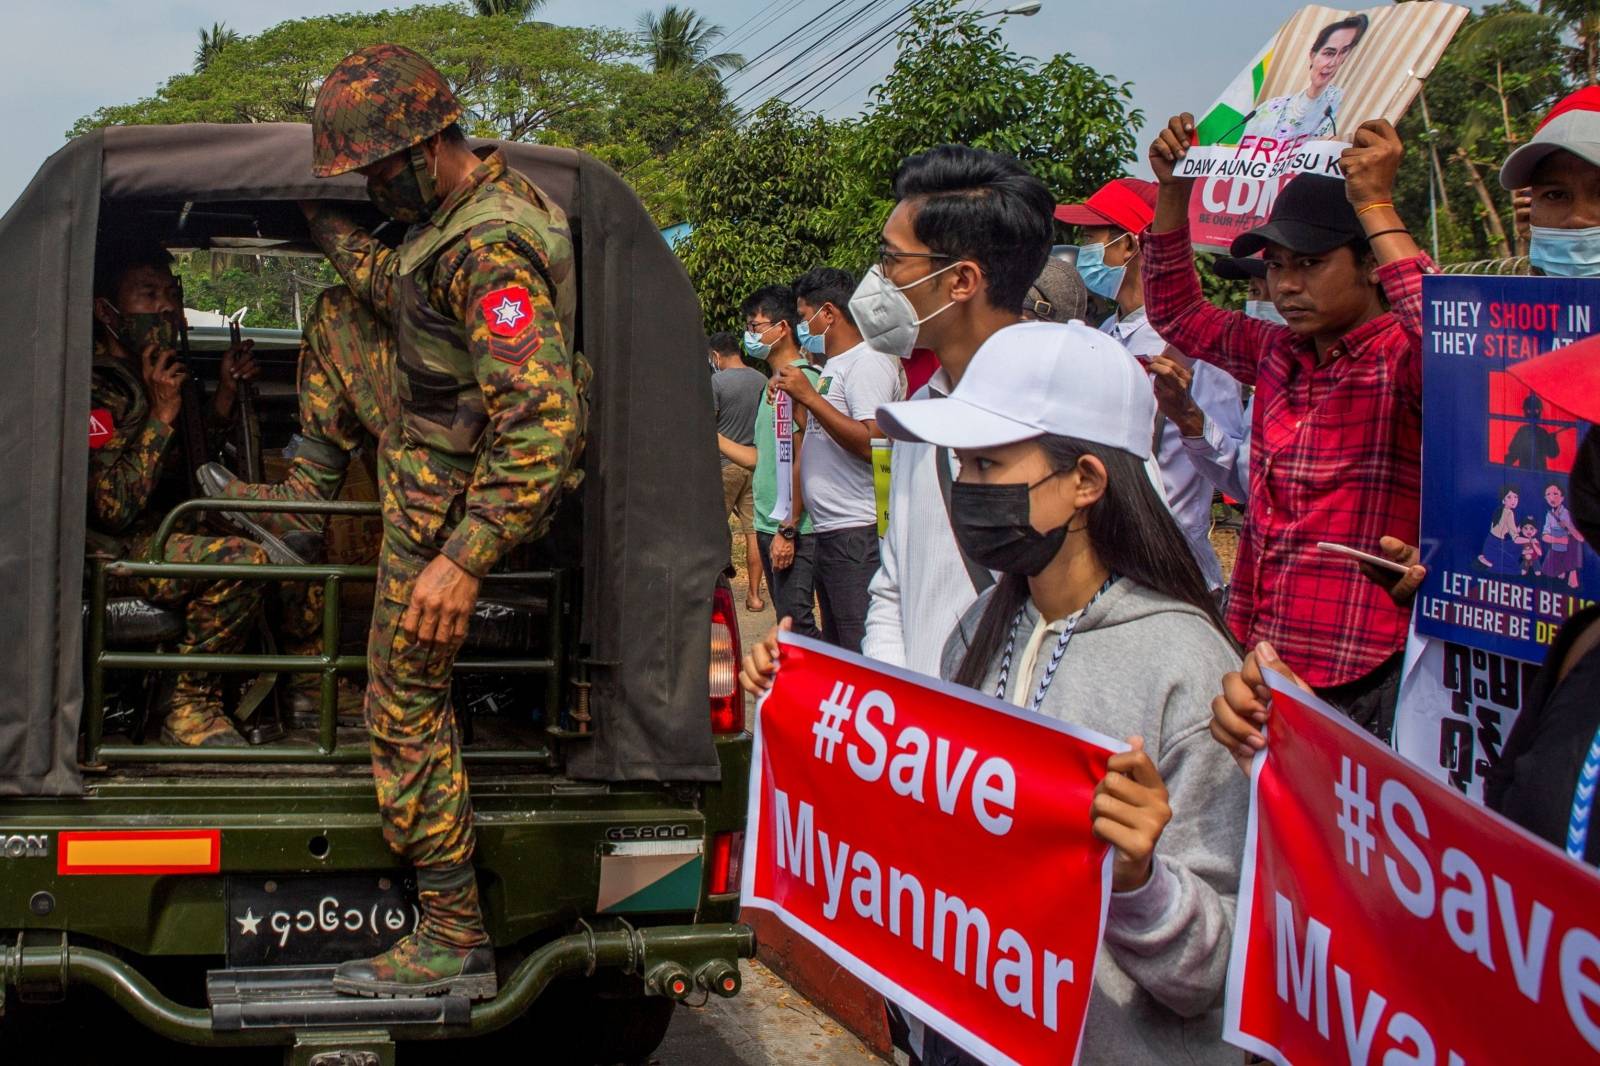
pixel 163 381
pixel 238 364
pixel 441 603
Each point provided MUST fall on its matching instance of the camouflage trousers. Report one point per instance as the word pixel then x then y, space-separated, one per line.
pixel 346 396
pixel 416 746
pixel 217 616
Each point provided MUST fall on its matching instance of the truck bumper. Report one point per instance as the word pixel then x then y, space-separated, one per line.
pixel 672 960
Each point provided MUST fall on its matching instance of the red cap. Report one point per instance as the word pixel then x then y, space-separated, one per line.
pixel 1125 202
pixel 1567 377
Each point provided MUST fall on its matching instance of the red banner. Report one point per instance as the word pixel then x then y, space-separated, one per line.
pixel 1384 918
pixel 936 844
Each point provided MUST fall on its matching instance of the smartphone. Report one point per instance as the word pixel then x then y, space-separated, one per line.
pixel 1363 557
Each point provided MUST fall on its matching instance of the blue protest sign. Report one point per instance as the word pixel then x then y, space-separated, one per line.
pixel 1506 565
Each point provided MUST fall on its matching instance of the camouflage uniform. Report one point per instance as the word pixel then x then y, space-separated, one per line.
pixel 347 396
pixel 482 300
pixel 124 471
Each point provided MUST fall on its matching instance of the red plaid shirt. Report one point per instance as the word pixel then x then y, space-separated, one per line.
pixel 1335 454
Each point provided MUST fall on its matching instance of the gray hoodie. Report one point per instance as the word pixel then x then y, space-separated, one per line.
pixel 1141 664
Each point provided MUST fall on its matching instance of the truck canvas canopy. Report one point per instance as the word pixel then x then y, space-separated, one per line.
pixel 653 539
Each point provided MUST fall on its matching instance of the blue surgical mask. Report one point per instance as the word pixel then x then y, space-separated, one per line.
pixel 1566 253
pixel 811 342
pixel 754 346
pixel 1264 310
pixel 1098 278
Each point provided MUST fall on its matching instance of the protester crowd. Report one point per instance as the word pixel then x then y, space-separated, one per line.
pixel 1051 491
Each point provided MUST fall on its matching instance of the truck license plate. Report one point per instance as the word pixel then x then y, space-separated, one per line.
pixel 297 921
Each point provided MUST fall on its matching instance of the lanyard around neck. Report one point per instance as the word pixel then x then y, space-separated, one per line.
pixel 1055 656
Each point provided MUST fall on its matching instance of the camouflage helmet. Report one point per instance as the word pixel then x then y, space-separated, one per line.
pixel 378 101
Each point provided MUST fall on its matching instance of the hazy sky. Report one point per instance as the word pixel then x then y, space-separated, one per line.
pixel 64 58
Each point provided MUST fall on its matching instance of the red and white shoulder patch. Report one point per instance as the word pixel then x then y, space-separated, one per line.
pixel 101 427
pixel 508 311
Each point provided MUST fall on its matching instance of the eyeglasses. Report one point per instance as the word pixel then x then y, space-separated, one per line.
pixel 886 255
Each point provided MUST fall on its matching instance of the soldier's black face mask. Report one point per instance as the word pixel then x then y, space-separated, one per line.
pixel 410 194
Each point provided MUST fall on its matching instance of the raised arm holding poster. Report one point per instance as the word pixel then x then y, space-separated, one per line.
pixel 1506 564
pixel 936 844
pixel 1298 102
pixel 1384 918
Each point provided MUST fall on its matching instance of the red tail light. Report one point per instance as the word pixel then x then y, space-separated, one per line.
pixel 727 701
pixel 727 855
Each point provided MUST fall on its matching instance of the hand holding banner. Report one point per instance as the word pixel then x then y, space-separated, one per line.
pixel 1380 912
pixel 935 843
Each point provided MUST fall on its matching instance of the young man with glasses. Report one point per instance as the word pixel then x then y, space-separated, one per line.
pixel 970 233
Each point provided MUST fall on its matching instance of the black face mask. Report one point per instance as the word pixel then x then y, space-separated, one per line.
pixel 1583 496
pixel 991 524
pixel 403 196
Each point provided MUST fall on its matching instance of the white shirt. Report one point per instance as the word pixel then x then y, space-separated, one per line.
pixel 837 483
pixel 1223 460
pixel 922 588
pixel 1188 494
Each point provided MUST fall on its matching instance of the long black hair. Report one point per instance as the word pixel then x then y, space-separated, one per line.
pixel 1133 535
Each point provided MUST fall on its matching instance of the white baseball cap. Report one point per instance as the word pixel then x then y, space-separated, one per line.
pixel 1573 125
pixel 1064 379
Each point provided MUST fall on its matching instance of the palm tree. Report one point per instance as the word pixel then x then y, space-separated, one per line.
pixel 212 42
pixel 517 9
pixel 679 42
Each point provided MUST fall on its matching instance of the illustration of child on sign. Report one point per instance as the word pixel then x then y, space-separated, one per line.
pixel 1531 551
pixel 1564 554
pixel 1500 550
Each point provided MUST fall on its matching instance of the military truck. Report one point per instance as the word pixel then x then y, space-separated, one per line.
pixel 207 892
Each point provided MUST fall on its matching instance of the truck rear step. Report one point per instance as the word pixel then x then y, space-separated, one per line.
pixel 275 997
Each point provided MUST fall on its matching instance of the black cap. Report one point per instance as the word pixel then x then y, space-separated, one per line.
pixel 1312 216
pixel 1240 268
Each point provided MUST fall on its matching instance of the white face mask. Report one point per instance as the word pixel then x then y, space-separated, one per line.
pixel 884 314
pixel 1265 311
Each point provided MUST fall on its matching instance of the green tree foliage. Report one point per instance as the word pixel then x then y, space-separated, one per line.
pixel 517 9
pixel 1497 79
pixel 678 41
pixel 757 194
pixel 788 190
pixel 517 80
pixel 213 41
pixel 266 285
pixel 956 82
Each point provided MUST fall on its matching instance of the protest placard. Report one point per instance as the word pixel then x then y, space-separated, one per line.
pixel 1505 564
pixel 1300 99
pixel 1457 707
pixel 1384 918
pixel 936 844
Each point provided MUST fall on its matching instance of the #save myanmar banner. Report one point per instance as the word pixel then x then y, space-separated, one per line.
pixel 936 844
pixel 1505 564
pixel 1384 918
pixel 1299 101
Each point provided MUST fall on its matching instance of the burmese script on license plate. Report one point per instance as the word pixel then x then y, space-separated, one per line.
pixel 277 921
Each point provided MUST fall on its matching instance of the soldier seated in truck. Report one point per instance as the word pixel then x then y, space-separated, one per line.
pixel 136 409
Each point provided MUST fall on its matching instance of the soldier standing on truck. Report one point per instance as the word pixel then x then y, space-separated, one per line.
pixel 135 401
pixel 480 299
